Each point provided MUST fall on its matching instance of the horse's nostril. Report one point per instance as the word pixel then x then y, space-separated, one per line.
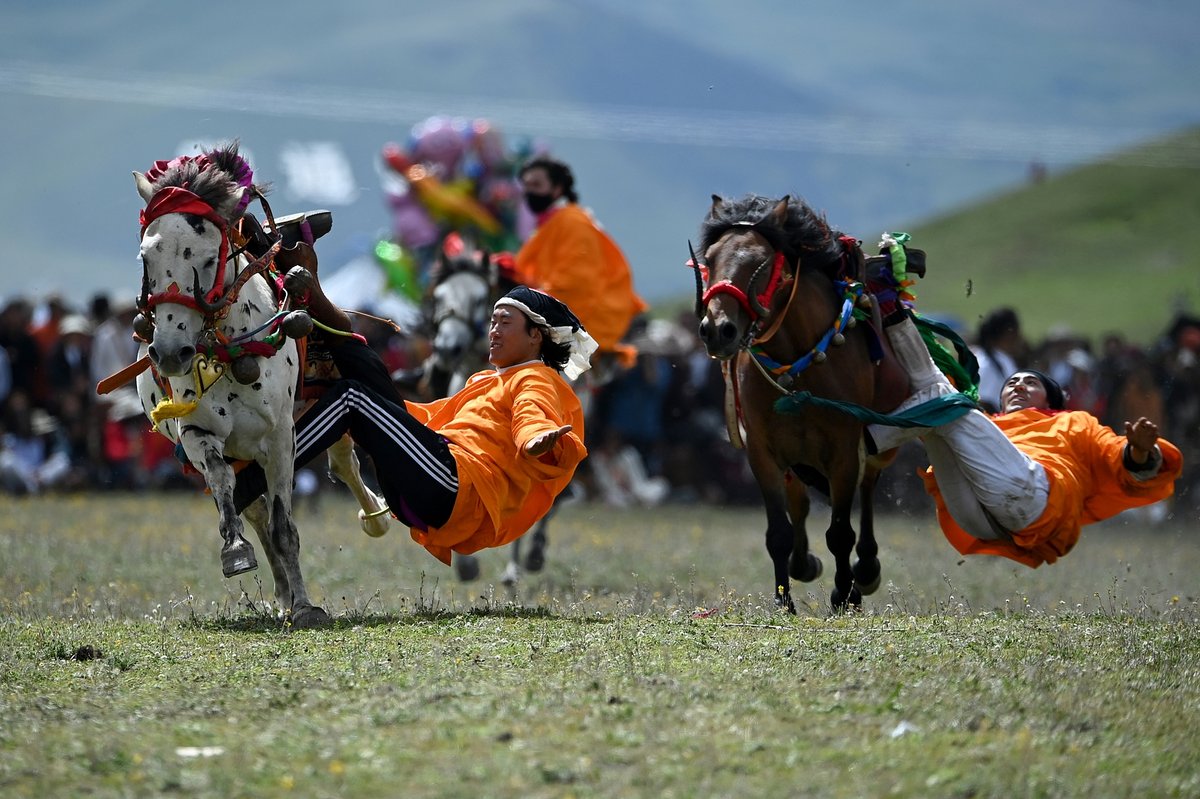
pixel 728 330
pixel 153 353
pixel 186 354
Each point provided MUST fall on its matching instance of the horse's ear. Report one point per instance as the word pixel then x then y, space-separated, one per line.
pixel 716 205
pixel 144 187
pixel 780 211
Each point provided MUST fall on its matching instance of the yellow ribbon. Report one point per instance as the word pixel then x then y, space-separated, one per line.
pixel 205 374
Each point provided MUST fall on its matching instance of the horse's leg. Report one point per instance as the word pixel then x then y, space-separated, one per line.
pixel 466 567
pixel 343 462
pixel 284 536
pixel 867 571
pixel 535 559
pixel 803 564
pixel 845 474
pixel 780 533
pixel 237 555
pixel 512 569
pixel 259 517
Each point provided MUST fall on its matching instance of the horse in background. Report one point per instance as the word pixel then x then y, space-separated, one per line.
pixel 464 286
pixel 779 294
pixel 224 363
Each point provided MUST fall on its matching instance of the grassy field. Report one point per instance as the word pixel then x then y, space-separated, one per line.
pixel 646 660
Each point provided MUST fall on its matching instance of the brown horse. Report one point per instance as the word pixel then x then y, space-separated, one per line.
pixel 779 304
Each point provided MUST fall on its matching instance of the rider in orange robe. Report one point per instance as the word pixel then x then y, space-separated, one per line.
pixel 1091 478
pixel 571 258
pixel 501 491
pixel 476 469
pixel 1022 483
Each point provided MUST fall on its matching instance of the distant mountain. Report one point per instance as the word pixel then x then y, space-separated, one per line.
pixel 1102 248
pixel 882 119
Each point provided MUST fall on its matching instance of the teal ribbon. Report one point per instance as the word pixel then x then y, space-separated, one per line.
pixel 935 412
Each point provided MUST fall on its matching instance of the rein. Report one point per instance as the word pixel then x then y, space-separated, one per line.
pixel 782 375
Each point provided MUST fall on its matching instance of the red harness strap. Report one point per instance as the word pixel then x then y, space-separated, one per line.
pixel 764 299
pixel 176 200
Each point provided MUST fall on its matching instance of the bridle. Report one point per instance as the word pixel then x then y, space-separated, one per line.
pixel 213 304
pixel 216 352
pixel 757 307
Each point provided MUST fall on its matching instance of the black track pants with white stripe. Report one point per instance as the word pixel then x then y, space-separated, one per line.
pixel 416 471
pixel 355 361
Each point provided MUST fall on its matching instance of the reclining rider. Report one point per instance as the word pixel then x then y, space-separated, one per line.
pixel 476 469
pixel 1023 482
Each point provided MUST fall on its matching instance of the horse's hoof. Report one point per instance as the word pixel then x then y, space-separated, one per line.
pixel 374 526
pixel 512 574
pixel 783 600
pixel 811 571
pixel 238 558
pixel 535 561
pixel 309 617
pixel 466 567
pixel 867 575
pixel 843 603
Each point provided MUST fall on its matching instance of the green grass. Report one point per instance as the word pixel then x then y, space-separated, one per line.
pixel 645 661
pixel 1106 247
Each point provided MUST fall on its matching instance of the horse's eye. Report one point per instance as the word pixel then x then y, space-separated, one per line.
pixel 210 263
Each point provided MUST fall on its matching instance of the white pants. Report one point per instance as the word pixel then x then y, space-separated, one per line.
pixel 990 487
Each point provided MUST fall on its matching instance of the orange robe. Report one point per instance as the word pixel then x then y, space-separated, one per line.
pixel 570 258
pixel 502 491
pixel 1084 464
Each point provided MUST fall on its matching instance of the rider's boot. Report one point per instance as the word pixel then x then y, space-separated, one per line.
pixel 889 286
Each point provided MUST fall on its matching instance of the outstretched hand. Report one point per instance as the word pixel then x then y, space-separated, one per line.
pixel 543 443
pixel 1142 436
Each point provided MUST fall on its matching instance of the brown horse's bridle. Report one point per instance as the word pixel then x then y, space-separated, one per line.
pixel 756 305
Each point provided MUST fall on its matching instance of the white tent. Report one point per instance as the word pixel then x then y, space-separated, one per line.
pixel 361 285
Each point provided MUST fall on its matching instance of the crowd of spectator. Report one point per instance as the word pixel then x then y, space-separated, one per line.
pixel 658 432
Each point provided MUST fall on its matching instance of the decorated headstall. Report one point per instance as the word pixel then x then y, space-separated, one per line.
pixel 756 304
pixel 213 346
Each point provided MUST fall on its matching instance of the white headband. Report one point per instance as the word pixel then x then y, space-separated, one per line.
pixel 580 341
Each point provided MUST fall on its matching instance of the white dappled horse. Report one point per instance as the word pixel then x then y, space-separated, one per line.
pixel 224 363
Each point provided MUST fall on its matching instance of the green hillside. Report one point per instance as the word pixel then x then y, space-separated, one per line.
pixel 1110 246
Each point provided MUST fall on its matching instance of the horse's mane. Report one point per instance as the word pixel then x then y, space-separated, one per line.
pixel 804 234
pixel 213 179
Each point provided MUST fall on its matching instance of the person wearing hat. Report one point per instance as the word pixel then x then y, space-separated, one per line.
pixel 1022 483
pixel 479 468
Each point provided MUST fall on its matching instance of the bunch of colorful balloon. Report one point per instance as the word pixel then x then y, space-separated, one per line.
pixel 452 176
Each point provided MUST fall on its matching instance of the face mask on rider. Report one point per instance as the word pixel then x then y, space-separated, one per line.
pixel 538 202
